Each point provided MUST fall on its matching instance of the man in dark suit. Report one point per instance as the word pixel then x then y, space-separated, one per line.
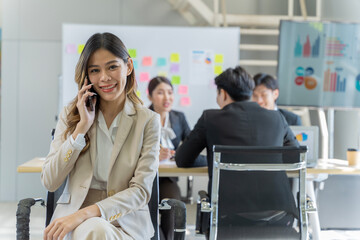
pixel 266 93
pixel 239 122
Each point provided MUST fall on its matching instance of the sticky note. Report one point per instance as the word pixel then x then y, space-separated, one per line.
pixel 161 62
pixel 80 48
pixel 132 52
pixel 174 68
pixel 185 101
pixel 183 89
pixel 218 70
pixel 136 64
pixel 175 80
pixel 138 93
pixel 162 73
pixel 147 61
pixel 219 58
pixel 175 57
pixel 144 77
pixel 70 48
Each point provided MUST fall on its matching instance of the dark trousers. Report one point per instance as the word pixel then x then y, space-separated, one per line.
pixel 168 188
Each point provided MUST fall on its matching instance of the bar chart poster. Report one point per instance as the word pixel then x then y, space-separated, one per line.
pixel 319 64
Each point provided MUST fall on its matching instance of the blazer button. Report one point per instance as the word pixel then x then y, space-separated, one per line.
pixel 111 193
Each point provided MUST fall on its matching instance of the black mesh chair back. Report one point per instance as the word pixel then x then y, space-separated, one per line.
pixel 251 191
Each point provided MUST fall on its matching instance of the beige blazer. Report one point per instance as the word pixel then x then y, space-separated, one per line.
pixel 133 166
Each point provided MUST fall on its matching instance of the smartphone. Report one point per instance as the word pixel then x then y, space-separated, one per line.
pixel 89 101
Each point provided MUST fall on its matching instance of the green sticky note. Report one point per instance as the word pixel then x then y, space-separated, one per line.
pixel 132 52
pixel 175 80
pixel 175 57
pixel 219 58
pixel 218 70
pixel 80 48
pixel 138 93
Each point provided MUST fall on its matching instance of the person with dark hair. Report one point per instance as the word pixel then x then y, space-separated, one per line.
pixel 266 93
pixel 106 150
pixel 174 129
pixel 240 122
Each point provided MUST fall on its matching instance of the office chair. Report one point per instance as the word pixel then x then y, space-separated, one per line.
pixel 248 181
pixel 177 207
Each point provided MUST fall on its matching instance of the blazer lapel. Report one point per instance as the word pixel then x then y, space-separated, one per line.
pixel 125 124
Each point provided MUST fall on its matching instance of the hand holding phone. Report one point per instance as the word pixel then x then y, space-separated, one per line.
pixel 89 101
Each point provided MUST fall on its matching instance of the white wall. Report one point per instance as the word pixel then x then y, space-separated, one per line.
pixel 31 58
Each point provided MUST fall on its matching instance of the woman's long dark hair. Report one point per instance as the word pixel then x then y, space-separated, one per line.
pixel 113 44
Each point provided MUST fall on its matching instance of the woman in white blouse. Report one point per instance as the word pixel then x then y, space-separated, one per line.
pixel 106 148
pixel 174 129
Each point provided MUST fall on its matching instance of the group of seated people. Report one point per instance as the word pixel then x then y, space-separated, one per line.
pixel 108 145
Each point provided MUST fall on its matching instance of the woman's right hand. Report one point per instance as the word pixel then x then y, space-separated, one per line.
pixel 86 116
pixel 166 153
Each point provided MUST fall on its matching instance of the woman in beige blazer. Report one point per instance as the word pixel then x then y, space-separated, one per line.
pixel 106 148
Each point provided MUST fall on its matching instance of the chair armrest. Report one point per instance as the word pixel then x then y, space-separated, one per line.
pixel 204 201
pixel 23 216
pixel 310 205
pixel 179 209
pixel 203 210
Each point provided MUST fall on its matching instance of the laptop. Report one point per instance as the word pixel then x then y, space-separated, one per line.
pixel 308 136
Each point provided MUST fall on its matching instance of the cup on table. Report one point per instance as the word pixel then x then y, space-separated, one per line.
pixel 353 157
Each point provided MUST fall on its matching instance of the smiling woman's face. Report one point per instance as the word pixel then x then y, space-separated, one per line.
pixel 108 73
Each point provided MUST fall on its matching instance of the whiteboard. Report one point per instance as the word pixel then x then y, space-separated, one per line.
pixel 191 57
pixel 319 64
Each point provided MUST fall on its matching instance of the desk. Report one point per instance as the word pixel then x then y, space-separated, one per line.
pixel 319 173
pixel 329 166
pixel 35 166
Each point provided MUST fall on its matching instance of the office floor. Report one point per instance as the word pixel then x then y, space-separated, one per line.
pixel 8 222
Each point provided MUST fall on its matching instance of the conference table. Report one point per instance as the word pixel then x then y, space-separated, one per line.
pixel 319 173
pixel 165 170
pixel 328 166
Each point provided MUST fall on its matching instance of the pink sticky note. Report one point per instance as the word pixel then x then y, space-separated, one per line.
pixel 144 77
pixel 147 61
pixel 71 48
pixel 185 101
pixel 174 68
pixel 183 89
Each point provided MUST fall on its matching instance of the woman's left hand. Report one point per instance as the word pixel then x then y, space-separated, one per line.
pixel 62 226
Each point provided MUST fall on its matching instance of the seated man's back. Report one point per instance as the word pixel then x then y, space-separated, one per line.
pixel 242 123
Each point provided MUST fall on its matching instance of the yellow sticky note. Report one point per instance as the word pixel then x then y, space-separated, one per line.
pixel 138 93
pixel 218 70
pixel 162 73
pixel 219 58
pixel 80 48
pixel 132 52
pixel 175 57
pixel 175 80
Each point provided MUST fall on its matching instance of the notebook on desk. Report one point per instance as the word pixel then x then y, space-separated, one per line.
pixel 308 136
